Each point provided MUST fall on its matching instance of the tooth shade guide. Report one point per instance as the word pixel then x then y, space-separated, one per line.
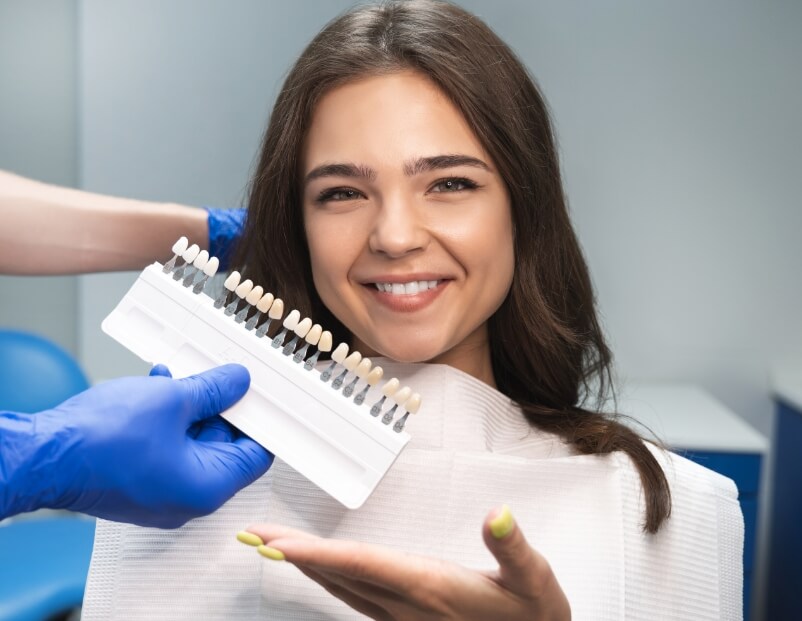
pixel 391 387
pixel 323 345
pixel 376 373
pixel 363 375
pixel 337 357
pixel 181 244
pixel 232 282
pixel 402 395
pixel 266 301
pixel 277 309
pixel 201 260
pixel 292 320
pixel 210 269
pixel 326 341
pixel 254 295
pixel 352 361
pixel 336 431
pixel 412 405
pixel 191 253
pixel 314 334
pixel 303 327
pixel 178 249
pixel 244 288
pixel 363 368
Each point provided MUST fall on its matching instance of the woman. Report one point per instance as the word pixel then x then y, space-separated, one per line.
pixel 409 146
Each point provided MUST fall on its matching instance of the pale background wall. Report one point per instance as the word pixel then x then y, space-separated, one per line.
pixel 38 138
pixel 678 121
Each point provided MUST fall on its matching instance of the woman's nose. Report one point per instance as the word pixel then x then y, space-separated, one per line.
pixel 399 229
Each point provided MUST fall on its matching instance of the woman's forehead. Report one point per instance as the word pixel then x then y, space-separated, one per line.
pixel 389 120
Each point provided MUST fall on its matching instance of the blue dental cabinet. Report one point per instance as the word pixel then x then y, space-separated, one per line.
pixel 694 424
pixel 784 584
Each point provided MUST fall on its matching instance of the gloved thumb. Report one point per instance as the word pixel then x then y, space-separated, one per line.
pixel 214 391
pixel 160 370
pixel 521 569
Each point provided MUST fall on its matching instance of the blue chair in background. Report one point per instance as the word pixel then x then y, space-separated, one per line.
pixel 43 560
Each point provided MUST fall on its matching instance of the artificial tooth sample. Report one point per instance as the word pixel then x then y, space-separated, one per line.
pixel 372 379
pixel 350 364
pixel 262 306
pixel 243 289
pixel 337 357
pixel 400 397
pixel 312 338
pixel 323 345
pixel 178 249
pixel 411 405
pixel 290 321
pixel 209 270
pixel 276 312
pixel 189 256
pixel 388 390
pixel 251 298
pixel 361 372
pixel 199 263
pixel 229 285
pixel 301 330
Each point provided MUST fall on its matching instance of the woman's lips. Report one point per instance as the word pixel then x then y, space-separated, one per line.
pixel 406 302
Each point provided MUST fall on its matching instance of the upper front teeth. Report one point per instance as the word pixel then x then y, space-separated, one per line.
pixel 406 288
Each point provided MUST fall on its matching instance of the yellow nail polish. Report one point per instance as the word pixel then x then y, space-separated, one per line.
pixel 501 525
pixel 271 553
pixel 249 538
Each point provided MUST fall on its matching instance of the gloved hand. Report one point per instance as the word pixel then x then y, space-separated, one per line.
pixel 145 450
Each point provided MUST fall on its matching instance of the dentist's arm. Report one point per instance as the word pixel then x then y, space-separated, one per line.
pixel 47 229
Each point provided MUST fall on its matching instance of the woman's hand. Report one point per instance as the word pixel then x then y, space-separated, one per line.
pixel 385 584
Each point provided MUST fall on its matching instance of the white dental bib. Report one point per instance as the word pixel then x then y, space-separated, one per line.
pixel 471 450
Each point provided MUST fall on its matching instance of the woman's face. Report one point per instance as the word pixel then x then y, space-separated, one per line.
pixel 408 222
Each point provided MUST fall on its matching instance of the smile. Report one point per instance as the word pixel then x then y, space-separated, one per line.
pixel 406 288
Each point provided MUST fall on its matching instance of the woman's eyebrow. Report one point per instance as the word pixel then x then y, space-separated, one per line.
pixel 425 164
pixel 340 170
pixel 411 168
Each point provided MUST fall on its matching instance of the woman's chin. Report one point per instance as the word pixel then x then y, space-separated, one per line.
pixel 407 352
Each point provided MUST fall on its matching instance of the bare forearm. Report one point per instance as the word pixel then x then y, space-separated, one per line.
pixel 47 229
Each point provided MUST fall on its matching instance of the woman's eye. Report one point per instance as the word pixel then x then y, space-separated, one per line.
pixel 453 185
pixel 338 194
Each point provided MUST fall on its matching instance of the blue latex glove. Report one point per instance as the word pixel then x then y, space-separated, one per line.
pixel 145 450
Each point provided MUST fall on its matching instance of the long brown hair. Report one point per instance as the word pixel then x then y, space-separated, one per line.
pixel 547 347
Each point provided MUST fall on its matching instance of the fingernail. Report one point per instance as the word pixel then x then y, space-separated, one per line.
pixel 249 538
pixel 271 553
pixel 501 525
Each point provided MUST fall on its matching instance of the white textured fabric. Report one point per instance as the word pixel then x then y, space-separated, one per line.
pixel 471 450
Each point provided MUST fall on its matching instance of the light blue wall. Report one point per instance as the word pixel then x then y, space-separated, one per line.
pixel 38 131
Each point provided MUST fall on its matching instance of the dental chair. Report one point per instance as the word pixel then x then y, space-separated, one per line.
pixel 44 556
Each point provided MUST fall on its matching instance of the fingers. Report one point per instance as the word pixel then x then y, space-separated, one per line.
pixel 382 567
pixel 214 391
pixel 350 596
pixel 522 570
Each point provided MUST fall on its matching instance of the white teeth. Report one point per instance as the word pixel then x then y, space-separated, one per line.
pixel 407 288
